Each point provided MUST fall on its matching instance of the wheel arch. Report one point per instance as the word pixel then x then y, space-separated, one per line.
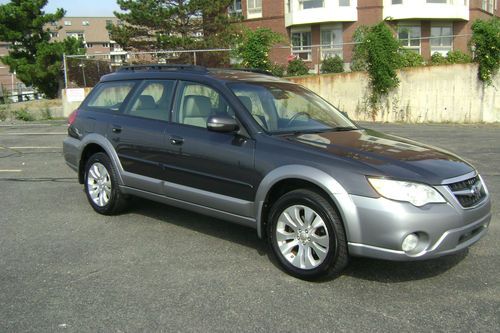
pixel 288 178
pixel 93 144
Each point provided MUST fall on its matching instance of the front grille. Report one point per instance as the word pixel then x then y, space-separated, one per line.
pixel 468 192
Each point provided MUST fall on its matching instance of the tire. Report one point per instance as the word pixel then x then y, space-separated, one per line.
pixel 306 236
pixel 101 185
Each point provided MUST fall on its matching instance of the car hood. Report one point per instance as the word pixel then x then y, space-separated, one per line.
pixel 388 155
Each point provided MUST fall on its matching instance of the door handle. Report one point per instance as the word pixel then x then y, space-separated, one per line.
pixel 176 140
pixel 116 129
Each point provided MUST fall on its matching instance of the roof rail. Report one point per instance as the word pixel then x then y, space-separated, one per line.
pixel 254 70
pixel 161 67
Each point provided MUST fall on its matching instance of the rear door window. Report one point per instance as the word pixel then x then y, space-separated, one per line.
pixel 152 100
pixel 110 95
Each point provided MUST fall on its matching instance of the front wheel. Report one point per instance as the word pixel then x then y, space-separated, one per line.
pixel 101 185
pixel 307 236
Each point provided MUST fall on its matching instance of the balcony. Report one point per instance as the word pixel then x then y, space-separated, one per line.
pixel 299 12
pixel 426 9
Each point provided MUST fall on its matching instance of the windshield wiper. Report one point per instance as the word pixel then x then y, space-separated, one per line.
pixel 344 129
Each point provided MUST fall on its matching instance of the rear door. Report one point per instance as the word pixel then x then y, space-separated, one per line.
pixel 138 134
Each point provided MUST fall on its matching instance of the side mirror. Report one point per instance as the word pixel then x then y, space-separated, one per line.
pixel 222 123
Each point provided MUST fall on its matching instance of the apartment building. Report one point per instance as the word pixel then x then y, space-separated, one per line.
pixel 92 31
pixel 8 80
pixel 317 29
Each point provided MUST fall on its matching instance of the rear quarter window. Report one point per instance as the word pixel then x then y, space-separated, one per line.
pixel 110 95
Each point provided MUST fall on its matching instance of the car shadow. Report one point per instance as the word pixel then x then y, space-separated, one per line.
pixel 396 271
pixel 358 268
pixel 198 223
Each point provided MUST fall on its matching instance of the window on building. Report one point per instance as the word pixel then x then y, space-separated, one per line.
pixel 90 45
pixel 397 2
pixel 67 23
pixel 441 40
pixel 491 6
pixel 331 41
pixel 235 7
pixel 105 44
pixel 85 23
pixel 254 8
pixel 54 24
pixel 409 37
pixel 344 3
pixel 437 1
pixel 77 35
pixel 309 4
pixel 301 44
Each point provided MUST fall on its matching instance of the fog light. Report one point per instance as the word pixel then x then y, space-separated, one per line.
pixel 410 243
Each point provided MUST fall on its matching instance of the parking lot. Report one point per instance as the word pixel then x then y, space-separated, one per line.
pixel 158 268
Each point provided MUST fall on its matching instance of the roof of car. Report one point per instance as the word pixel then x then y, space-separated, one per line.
pixel 154 71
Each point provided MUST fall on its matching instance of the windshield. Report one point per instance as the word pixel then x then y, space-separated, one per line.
pixel 286 107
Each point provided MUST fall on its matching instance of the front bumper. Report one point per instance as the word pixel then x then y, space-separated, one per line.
pixel 376 227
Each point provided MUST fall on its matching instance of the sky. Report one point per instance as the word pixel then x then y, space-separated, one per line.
pixel 81 7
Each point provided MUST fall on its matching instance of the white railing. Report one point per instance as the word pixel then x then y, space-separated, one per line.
pixel 426 9
pixel 301 12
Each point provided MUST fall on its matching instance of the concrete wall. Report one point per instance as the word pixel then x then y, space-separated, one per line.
pixel 450 93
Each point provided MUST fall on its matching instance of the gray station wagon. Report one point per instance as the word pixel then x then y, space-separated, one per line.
pixel 260 151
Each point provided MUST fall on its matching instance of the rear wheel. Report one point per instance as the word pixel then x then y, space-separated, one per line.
pixel 307 236
pixel 101 185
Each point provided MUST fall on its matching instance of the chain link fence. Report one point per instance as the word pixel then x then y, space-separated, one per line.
pixel 86 70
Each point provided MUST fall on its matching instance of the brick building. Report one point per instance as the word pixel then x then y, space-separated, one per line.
pixel 321 28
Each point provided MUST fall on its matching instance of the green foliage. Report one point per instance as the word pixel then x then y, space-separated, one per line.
pixel 23 114
pixel 173 24
pixel 37 62
pixel 332 65
pixel 383 59
pixel 254 48
pixel 4 112
pixel 297 67
pixel 486 44
pixel 438 59
pixel 278 70
pixel 410 58
pixel 359 61
pixel 47 114
pixel 458 57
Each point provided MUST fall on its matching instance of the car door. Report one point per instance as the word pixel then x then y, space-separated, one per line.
pixel 138 134
pixel 215 169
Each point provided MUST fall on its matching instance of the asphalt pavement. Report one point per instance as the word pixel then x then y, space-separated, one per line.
pixel 64 268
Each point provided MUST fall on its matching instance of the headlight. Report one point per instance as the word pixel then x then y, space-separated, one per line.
pixel 414 193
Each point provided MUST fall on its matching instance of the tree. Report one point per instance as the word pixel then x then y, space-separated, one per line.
pixel 36 60
pixel 254 47
pixel 173 24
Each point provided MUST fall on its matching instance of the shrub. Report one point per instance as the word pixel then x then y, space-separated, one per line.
pixel 278 70
pixel 458 57
pixel 486 44
pixel 359 61
pixel 4 112
pixel 410 59
pixel 255 46
pixel 438 59
pixel 23 114
pixel 297 67
pixel 46 113
pixel 332 65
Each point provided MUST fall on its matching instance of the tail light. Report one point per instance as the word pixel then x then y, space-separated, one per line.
pixel 72 117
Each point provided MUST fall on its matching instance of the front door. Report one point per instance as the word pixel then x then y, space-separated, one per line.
pixel 219 163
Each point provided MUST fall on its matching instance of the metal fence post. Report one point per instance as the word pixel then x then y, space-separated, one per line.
pixel 194 58
pixel 65 71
